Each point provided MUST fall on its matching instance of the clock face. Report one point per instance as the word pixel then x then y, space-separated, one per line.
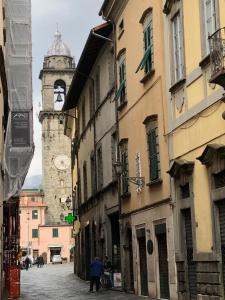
pixel 62 162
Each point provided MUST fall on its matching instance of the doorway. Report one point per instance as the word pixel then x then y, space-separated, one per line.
pixel 87 252
pixel 191 264
pixel 141 237
pixel 54 251
pixel 221 208
pixel 160 231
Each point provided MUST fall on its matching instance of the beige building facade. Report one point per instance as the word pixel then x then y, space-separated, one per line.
pixel 194 52
pixel 94 148
pixel 146 219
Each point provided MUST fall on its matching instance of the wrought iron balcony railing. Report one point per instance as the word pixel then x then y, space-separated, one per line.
pixel 217 57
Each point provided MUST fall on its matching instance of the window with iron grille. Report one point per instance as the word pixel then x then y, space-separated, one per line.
pixel 178 56
pixel 97 87
pixel 121 92
pixel 83 115
pixel 185 191
pixel 34 214
pixel 34 233
pixel 125 164
pixel 151 124
pixel 91 101
pixel 100 168
pixel 92 159
pixel 209 13
pixel 114 151
pixel 147 59
pixel 55 232
pixel 85 180
pixel 219 179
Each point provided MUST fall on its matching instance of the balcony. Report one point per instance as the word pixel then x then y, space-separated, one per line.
pixel 217 57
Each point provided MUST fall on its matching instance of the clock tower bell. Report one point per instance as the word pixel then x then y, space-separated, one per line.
pixel 56 76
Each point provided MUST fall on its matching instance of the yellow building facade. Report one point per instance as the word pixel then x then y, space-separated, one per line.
pixel 194 41
pixel 146 220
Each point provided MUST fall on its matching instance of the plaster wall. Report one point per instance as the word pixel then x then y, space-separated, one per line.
pixel 64 240
pixel 148 219
pixel 143 100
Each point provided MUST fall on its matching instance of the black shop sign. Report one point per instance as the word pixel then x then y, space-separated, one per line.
pixel 20 129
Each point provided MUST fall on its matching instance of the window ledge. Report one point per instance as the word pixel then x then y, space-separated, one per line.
pixel 147 76
pixel 205 61
pixel 125 195
pixel 122 105
pixel 177 85
pixel 120 34
pixel 154 182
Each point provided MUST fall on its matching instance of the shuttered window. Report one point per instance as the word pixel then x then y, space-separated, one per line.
pixel 100 168
pixel 85 180
pixel 34 233
pixel 151 124
pixel 97 87
pixel 121 92
pixel 209 20
pixel 177 48
pixel 34 214
pixel 92 173
pixel 147 60
pixel 55 232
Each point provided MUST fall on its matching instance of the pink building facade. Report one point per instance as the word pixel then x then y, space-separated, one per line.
pixel 36 238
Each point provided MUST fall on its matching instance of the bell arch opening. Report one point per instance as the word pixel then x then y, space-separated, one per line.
pixel 59 94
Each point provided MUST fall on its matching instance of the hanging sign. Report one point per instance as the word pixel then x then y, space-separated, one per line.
pixel 20 129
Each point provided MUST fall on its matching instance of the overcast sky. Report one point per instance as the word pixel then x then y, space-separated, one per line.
pixel 75 18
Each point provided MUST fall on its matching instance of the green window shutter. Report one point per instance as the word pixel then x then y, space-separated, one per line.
pixel 145 59
pixel 120 90
pixel 34 214
pixel 34 233
pixel 55 232
pixel 153 156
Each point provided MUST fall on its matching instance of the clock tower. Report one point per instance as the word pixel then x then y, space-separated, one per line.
pixel 56 76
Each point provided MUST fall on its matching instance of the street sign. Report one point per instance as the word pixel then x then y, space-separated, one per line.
pixel 70 218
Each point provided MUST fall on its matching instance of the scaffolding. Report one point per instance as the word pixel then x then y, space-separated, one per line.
pixel 19 145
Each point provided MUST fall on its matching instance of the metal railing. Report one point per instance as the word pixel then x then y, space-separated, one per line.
pixel 217 53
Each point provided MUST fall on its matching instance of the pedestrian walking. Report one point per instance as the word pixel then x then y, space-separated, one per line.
pixel 108 272
pixel 96 270
pixel 27 263
pixel 41 261
pixel 38 261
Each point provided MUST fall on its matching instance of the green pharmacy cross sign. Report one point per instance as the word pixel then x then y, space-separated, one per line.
pixel 70 218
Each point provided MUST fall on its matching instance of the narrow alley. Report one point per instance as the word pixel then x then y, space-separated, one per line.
pixel 58 282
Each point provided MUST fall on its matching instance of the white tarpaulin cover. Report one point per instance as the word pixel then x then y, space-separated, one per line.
pixel 19 146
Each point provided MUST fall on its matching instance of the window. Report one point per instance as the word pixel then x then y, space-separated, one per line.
pixel 147 60
pixel 114 153
pixel 34 233
pixel 121 92
pixel 34 214
pixel 85 180
pixel 33 199
pixel 97 87
pixel 92 173
pixel 209 20
pixel 177 48
pixel 91 101
pixel 151 124
pixel 83 115
pixel 185 190
pixel 100 168
pixel 124 161
pixel 55 232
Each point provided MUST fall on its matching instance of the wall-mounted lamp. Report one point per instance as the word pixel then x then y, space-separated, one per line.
pixel 119 169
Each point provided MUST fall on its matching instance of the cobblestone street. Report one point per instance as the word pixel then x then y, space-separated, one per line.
pixel 58 282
